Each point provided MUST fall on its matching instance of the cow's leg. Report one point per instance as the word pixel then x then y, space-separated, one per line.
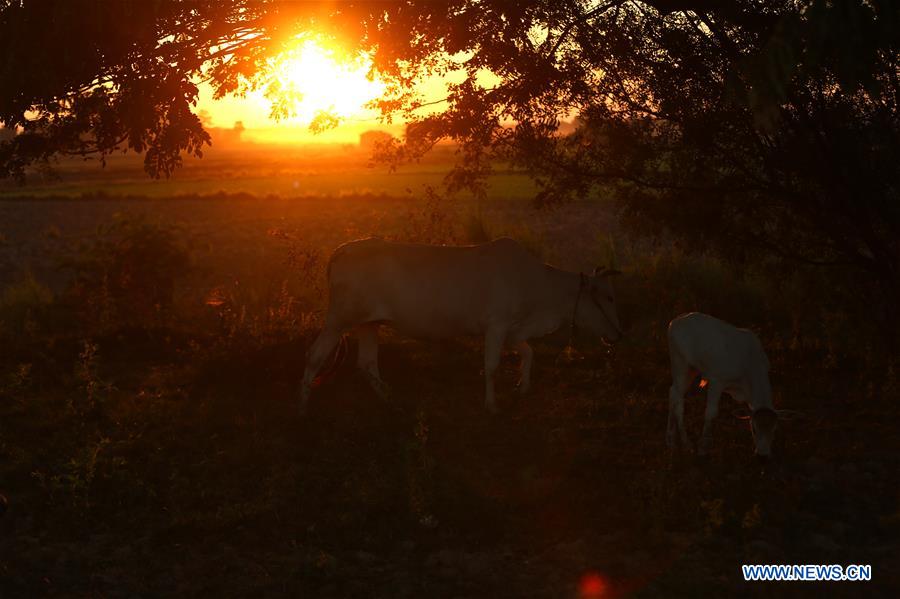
pixel 713 393
pixel 527 355
pixel 316 355
pixel 681 379
pixel 367 361
pixel 493 345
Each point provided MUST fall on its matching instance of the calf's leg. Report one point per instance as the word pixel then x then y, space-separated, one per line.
pixel 680 382
pixel 316 355
pixel 713 393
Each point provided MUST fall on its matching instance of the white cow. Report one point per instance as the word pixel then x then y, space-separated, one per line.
pixel 497 289
pixel 732 361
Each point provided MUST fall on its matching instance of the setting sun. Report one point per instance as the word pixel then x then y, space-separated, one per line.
pixel 330 298
pixel 309 81
pixel 320 84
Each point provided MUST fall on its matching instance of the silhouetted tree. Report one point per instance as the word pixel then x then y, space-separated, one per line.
pixel 748 125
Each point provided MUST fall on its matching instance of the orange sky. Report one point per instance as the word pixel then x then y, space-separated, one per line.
pixel 253 112
pixel 323 84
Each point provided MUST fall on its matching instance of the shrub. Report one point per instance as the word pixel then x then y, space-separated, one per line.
pixel 432 220
pixel 476 229
pixel 24 304
pixel 127 273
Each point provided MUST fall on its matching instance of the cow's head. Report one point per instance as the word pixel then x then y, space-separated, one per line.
pixel 762 423
pixel 600 307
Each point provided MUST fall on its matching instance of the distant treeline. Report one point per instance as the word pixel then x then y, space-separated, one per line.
pixel 101 196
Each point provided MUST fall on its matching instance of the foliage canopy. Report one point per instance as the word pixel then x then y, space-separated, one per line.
pixel 750 125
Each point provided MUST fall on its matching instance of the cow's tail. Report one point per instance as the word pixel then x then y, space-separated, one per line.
pixel 335 361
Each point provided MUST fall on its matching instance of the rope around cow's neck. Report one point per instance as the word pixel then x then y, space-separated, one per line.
pixel 581 286
pixel 609 320
pixel 582 283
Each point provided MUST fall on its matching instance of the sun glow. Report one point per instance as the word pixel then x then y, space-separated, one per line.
pixel 315 79
pixel 309 81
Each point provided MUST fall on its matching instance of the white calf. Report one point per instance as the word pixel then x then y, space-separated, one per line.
pixel 732 361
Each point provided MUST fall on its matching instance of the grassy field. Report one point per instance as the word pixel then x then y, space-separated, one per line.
pixel 261 170
pixel 151 350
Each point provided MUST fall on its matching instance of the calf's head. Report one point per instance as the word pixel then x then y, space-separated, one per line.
pixel 599 312
pixel 762 423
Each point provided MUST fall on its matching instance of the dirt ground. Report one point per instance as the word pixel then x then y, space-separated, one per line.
pixel 170 460
pixel 210 485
